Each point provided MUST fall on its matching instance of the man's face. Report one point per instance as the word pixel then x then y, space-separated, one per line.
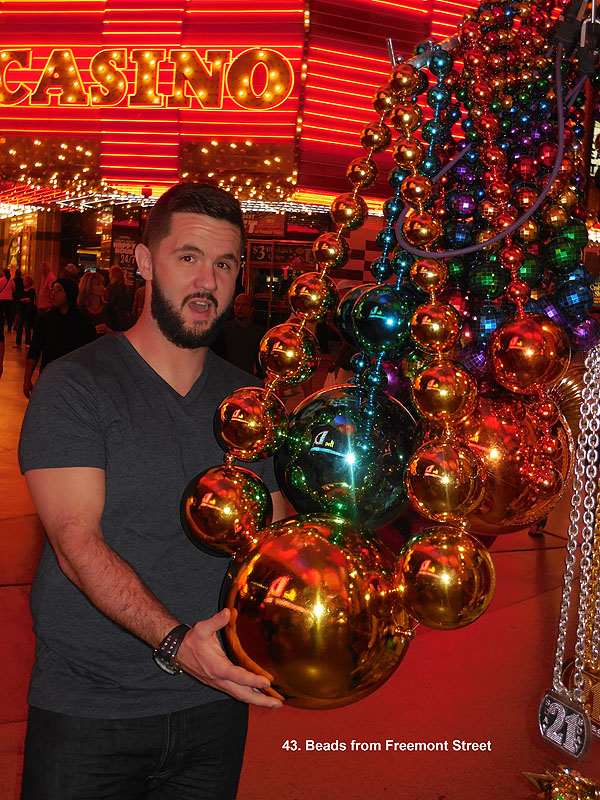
pixel 242 308
pixel 194 271
pixel 58 296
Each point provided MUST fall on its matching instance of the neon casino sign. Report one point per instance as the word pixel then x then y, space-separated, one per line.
pixel 257 78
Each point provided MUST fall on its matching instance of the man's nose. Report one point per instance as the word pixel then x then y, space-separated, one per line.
pixel 206 278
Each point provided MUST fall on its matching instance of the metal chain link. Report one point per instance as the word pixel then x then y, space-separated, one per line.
pixel 589 523
pixel 586 492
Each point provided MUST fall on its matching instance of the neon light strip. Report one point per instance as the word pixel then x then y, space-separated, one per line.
pixel 404 8
pixel 337 66
pixel 350 55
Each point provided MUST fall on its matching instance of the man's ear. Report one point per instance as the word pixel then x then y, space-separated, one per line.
pixel 143 258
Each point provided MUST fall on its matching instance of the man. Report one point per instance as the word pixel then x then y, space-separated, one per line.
pixel 113 434
pixel 240 337
pixel 58 332
pixel 46 283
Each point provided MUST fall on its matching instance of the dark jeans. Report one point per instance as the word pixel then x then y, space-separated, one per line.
pixel 188 755
pixel 21 322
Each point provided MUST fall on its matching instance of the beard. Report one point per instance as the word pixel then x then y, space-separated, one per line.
pixel 172 324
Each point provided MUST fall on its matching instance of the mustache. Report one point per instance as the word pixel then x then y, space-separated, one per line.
pixel 200 296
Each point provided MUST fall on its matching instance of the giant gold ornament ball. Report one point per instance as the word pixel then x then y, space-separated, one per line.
pixel 361 172
pixel 444 392
pixel 444 480
pixel 250 423
pixel 289 352
pixel 313 295
pixel 507 433
pixel 223 508
pixel 528 353
pixel 313 608
pixel 346 457
pixel 446 578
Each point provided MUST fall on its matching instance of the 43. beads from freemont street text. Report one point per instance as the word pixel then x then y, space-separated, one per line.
pixel 387 745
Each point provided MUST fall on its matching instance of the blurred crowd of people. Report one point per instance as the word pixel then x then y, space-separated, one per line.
pixel 79 306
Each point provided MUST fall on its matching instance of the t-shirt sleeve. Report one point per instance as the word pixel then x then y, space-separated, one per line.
pixel 62 426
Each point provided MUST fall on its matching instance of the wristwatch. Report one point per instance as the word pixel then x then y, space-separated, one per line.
pixel 165 653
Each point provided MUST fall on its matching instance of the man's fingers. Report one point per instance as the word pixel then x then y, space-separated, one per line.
pixel 250 696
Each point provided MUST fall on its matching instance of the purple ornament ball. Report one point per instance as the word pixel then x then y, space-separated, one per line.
pixel 398 385
pixel 551 309
pixel 473 356
pixel 584 334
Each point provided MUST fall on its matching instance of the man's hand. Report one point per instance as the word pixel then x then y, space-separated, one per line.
pixel 201 655
pixel 27 388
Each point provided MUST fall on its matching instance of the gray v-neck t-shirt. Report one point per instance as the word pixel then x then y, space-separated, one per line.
pixel 103 406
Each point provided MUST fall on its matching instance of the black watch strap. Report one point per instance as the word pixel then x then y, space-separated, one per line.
pixel 165 653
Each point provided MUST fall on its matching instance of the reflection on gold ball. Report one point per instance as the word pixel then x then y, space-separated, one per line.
pixel 529 353
pixel 251 423
pixel 446 578
pixel 383 99
pixel 408 152
pixel 404 79
pixel 435 327
pixel 330 251
pixel 348 211
pixel 361 172
pixel 289 353
pixel 506 432
pixel 421 230
pixel 444 392
pixel 406 118
pixel 375 137
pixel 224 508
pixel 313 295
pixel 444 481
pixel 313 608
pixel 555 217
pixel 429 274
pixel 416 189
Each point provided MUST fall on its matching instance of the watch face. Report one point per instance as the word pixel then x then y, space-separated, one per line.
pixel 163 663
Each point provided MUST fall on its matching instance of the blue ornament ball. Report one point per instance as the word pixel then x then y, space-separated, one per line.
pixel 485 321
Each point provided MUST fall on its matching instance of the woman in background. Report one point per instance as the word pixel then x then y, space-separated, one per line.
pixel 91 302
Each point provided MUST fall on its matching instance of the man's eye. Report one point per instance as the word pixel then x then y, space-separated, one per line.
pixel 187 258
pixel 223 265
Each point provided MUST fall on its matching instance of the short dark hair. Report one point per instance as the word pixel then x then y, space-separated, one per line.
pixel 192 198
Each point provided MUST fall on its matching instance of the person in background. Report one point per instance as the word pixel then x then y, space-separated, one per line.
pixel 17 295
pixel 27 312
pixel 44 302
pixel 71 271
pixel 7 292
pixel 138 302
pixel 57 332
pixel 239 339
pixel 117 294
pixel 91 301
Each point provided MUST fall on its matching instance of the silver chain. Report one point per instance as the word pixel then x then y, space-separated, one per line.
pixel 585 491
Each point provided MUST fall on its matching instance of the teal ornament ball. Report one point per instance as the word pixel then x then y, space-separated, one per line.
pixel 381 320
pixel 343 314
pixel 346 457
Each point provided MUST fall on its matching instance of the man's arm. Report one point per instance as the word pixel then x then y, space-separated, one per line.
pixel 70 502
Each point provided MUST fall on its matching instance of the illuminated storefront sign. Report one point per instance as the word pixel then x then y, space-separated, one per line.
pixel 256 79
